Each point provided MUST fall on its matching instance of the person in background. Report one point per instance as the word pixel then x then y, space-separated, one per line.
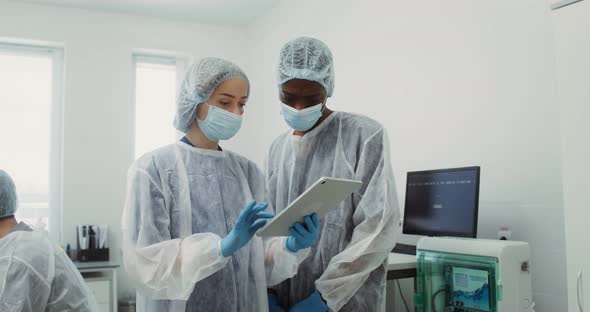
pixel 346 270
pixel 193 208
pixel 35 274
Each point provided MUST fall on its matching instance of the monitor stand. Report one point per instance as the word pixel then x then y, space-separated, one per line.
pixel 404 249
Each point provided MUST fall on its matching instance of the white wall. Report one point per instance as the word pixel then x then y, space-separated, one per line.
pixel 98 113
pixel 572 44
pixel 456 83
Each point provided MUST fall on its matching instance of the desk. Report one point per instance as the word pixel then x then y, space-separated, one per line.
pixel 100 276
pixel 401 266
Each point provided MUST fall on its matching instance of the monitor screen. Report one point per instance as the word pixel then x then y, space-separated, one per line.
pixel 470 289
pixel 442 202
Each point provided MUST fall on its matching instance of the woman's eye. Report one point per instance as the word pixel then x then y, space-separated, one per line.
pixel 224 103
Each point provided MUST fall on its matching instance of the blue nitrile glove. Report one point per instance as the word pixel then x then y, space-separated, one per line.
pixel 250 220
pixel 303 236
pixel 313 303
pixel 273 304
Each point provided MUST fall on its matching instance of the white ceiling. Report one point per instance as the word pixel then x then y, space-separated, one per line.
pixel 220 12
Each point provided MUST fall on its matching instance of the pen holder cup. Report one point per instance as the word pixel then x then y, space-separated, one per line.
pixel 88 255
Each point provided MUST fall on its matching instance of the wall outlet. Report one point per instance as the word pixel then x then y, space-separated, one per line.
pixel 504 233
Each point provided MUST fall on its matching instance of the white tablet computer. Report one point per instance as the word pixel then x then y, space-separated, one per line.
pixel 324 195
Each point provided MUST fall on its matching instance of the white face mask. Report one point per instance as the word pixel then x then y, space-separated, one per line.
pixel 302 120
pixel 220 124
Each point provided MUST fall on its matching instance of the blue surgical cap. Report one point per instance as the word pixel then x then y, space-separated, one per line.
pixel 7 195
pixel 308 59
pixel 202 78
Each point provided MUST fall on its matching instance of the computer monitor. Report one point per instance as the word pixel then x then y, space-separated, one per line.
pixel 442 202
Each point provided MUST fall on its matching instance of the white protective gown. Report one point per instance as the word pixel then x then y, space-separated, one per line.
pixel 181 201
pixel 36 275
pixel 348 265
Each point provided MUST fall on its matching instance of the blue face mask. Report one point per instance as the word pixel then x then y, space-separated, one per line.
pixel 220 124
pixel 301 120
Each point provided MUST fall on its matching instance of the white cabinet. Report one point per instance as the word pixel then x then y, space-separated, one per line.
pixel 101 278
pixel 101 289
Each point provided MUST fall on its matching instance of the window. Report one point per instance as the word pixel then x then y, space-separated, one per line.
pixel 31 131
pixel 156 84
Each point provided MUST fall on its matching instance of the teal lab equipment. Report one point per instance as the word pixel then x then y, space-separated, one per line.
pixel 473 275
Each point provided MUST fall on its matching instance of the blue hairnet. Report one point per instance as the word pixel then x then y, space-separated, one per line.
pixel 308 59
pixel 7 195
pixel 199 83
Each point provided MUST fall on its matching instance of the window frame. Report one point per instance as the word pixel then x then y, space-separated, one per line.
pixel 56 53
pixel 179 60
